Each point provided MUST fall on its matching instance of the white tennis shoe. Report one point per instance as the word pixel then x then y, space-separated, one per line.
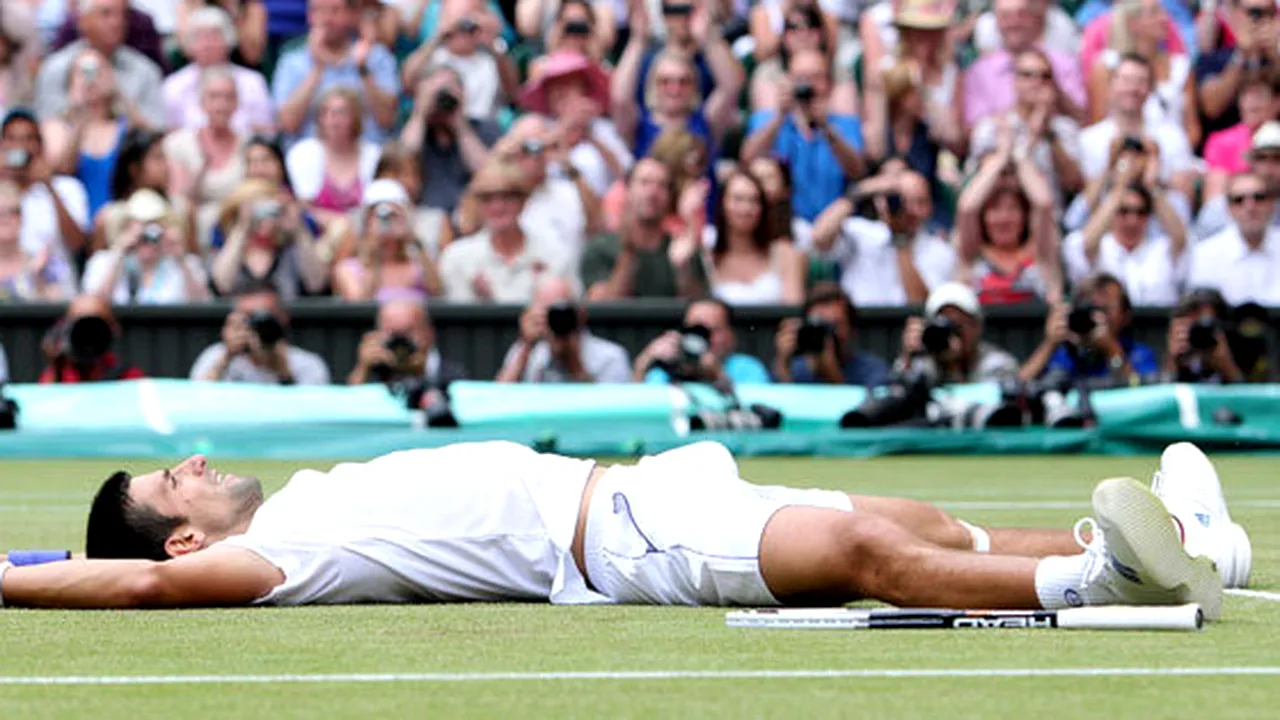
pixel 1189 487
pixel 1136 557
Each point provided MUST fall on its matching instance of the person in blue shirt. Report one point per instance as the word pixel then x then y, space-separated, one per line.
pixel 823 149
pixel 829 315
pixel 1093 338
pixel 718 364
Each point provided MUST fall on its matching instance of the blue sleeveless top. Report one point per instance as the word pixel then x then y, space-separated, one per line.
pixel 96 174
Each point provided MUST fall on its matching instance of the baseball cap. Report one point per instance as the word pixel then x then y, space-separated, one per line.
pixel 147 205
pixel 953 294
pixel 1267 137
pixel 385 191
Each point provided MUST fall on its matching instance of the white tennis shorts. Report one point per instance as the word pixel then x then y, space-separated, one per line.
pixel 681 528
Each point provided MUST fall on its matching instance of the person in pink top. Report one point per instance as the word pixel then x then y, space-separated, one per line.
pixel 1226 151
pixel 988 83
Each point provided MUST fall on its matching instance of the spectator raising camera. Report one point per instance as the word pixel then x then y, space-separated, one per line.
pixel 820 347
pixel 255 348
pixel 946 344
pixel 702 350
pixel 556 347
pixel 401 353
pixel 1197 350
pixel 79 347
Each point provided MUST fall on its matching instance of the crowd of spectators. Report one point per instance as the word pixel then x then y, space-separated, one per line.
pixel 825 154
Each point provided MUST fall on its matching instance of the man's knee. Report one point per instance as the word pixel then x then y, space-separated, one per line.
pixel 880 557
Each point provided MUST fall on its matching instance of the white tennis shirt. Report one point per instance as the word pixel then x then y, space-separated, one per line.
pixel 473 521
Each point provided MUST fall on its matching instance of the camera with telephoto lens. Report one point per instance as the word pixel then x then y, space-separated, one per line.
pixel 85 340
pixel 1203 333
pixel 152 233
pixel 17 159
pixel 695 341
pixel 1080 319
pixel 267 327
pixel 446 101
pixel 402 348
pixel 937 334
pixel 562 319
pixel 1042 401
pixel 1132 143
pixel 8 412
pixel 804 92
pixel 577 27
pixel 811 338
pixel 903 402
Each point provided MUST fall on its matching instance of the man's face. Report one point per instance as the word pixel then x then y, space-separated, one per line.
pixel 213 502
pixel 1130 86
pixel 834 313
pixel 1254 14
pixel 208 47
pixel 219 101
pixel 810 68
pixel 1109 298
pixel 330 18
pixel 1031 73
pixel 22 135
pixel 1252 205
pixel 676 85
pixel 649 194
pixel 403 319
pixel 713 317
pixel 1016 21
pixel 916 200
pixel 248 304
pixel 970 328
pixel 1131 216
pixel 103 24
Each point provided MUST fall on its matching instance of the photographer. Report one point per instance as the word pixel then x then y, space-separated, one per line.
pixel 79 346
pixel 268 242
pixel 820 347
pixel 702 350
pixel 149 263
pixel 947 343
pixel 1197 348
pixel 401 352
pixel 55 207
pixel 1092 337
pixel 556 347
pixel 254 348
pixel 879 235
pixel 452 146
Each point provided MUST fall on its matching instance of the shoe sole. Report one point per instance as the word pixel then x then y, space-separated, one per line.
pixel 1244 557
pixel 1145 528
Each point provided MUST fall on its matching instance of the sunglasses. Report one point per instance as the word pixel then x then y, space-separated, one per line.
pixel 1132 211
pixel 1035 74
pixel 1258 197
pixel 10 211
pixel 680 80
pixel 791 25
pixel 672 9
pixel 485 197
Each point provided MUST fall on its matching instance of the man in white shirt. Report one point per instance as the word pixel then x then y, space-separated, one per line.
pixel 1243 261
pixel 254 348
pixel 55 208
pixel 1124 126
pixel 496 521
pixel 893 262
pixel 561 206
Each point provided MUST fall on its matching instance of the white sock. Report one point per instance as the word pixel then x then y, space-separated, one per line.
pixel 981 540
pixel 1059 579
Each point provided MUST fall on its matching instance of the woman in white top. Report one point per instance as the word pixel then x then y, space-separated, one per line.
pixel 1151 265
pixel 330 171
pixel 43 277
pixel 1139 27
pixel 148 265
pixel 206 164
pixel 747 263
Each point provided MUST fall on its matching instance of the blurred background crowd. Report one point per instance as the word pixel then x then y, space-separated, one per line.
pixel 829 155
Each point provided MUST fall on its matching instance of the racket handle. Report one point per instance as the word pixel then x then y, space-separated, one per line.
pixel 1123 617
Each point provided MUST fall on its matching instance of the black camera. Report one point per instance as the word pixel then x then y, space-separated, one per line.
pixel 532 146
pixel 937 334
pixel 8 412
pixel 893 202
pixel 695 341
pixel 577 27
pixel 1080 320
pixel 446 102
pixel 562 319
pixel 677 9
pixel 86 339
pixel 467 25
pixel 152 233
pixel 264 210
pixel 811 338
pixel 1132 143
pixel 904 402
pixel 1203 333
pixel 804 92
pixel 384 214
pixel 267 327
pixel 402 347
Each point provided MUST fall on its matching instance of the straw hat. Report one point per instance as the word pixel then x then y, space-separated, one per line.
pixel 925 14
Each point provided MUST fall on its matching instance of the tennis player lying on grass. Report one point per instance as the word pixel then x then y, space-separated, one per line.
pixel 496 521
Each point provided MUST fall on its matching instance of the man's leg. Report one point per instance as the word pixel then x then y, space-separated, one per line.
pixel 934 525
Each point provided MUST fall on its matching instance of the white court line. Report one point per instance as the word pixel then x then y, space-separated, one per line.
pixel 637 675
pixel 1064 504
pixel 1255 594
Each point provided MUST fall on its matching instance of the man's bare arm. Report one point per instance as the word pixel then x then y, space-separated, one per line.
pixel 219 576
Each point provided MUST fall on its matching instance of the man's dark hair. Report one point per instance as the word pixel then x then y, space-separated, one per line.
pixel 724 307
pixel 1136 59
pixel 828 292
pixel 1190 304
pixel 121 529
pixel 1098 281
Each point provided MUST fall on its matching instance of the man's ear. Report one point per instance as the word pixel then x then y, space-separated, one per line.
pixel 184 540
